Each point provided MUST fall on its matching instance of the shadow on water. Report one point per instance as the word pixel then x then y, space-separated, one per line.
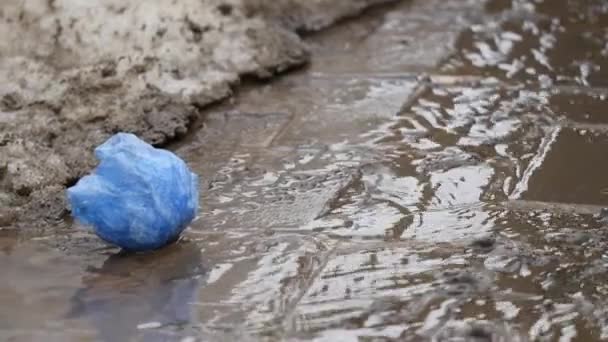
pixel 138 293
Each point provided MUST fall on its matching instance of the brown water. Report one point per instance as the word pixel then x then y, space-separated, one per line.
pixel 437 173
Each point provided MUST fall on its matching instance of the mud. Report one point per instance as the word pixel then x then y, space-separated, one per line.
pixel 75 73
pixel 434 174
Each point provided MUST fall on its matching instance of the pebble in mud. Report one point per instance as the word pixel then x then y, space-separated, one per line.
pixel 463 283
pixel 484 244
pixel 475 331
pixel 570 237
pixel 510 256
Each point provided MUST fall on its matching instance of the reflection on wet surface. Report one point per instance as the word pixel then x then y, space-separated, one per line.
pixel 69 297
pixel 539 41
pixel 134 292
pixel 360 199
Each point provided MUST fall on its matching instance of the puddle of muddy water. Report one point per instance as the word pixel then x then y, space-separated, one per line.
pixel 542 42
pixel 359 200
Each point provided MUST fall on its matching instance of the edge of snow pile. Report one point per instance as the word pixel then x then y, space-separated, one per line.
pixel 76 72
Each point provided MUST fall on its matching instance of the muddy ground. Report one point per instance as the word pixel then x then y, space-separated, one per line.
pixel 436 172
pixel 74 73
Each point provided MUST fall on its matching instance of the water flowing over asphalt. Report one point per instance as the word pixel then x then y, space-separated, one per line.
pixel 437 173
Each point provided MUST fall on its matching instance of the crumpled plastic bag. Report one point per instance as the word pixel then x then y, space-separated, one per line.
pixel 139 197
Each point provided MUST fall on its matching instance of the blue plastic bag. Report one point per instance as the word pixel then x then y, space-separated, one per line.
pixel 139 197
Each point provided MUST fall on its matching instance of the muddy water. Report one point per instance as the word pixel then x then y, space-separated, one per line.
pixel 437 173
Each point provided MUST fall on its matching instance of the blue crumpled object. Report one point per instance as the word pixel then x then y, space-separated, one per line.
pixel 139 197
